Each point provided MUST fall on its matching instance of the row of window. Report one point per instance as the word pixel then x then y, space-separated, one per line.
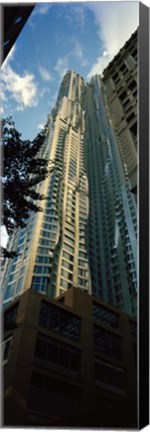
pixel 59 398
pixel 59 320
pixel 46 242
pixel 107 343
pixel 54 352
pixel 110 376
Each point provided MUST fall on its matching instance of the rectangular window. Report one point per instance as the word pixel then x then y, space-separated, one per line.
pixel 67 265
pixel 59 320
pixel 69 240
pixel 59 397
pixel 132 85
pixel 19 285
pixel 43 250
pixel 82 254
pixel 10 317
pixel 122 95
pixel 83 282
pixel 6 349
pixel 68 248
pixel 109 376
pixel 82 272
pixel 130 117
pixel 100 313
pixel 41 269
pixel 65 284
pixel 39 284
pixel 66 274
pixel 107 342
pixel 56 353
pixel 43 259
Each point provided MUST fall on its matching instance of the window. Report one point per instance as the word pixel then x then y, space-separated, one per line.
pixel 57 353
pixel 67 265
pixel 133 129
pixel 9 292
pixel 132 85
pixel 123 69
pixel 69 240
pixel 105 315
pixel 6 349
pixel 19 285
pixel 82 254
pixel 134 53
pixel 39 284
pixel 43 259
pixel 83 263
pixel 82 272
pixel 131 117
pixel 107 342
pixel 109 376
pixel 66 274
pixel 65 284
pixel 41 269
pixel 46 242
pixel 10 317
pixel 59 320
pixel 68 256
pixel 69 248
pixel 115 76
pixel 59 398
pixel 122 95
pixel 83 282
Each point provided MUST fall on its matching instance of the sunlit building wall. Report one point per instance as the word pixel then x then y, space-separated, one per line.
pixel 86 235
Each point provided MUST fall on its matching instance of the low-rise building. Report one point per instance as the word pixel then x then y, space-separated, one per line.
pixel 68 362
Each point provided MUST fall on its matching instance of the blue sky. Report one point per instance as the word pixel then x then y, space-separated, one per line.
pixel 83 36
pixel 58 37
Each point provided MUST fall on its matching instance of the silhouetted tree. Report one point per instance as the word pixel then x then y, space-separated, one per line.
pixel 22 170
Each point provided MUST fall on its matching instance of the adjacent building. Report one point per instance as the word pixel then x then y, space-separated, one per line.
pixel 68 362
pixel 120 78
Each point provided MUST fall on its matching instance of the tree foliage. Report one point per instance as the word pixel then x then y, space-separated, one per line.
pixel 23 169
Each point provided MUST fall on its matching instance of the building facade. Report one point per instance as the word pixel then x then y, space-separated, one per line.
pixel 120 78
pixel 68 362
pixel 86 236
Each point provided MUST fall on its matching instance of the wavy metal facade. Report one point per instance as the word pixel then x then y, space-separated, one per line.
pixel 86 235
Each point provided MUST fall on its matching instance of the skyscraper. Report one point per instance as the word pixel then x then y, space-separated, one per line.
pixel 86 235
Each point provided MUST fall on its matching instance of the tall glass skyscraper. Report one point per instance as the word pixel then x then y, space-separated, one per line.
pixel 86 235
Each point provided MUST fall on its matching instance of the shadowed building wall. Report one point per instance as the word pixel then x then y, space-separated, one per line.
pixel 69 362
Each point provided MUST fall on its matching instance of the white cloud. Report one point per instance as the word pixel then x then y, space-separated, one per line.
pixel 79 15
pixel 75 15
pixel 42 9
pixel 22 89
pixel 46 76
pixel 61 66
pixel 116 22
pixel 78 52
